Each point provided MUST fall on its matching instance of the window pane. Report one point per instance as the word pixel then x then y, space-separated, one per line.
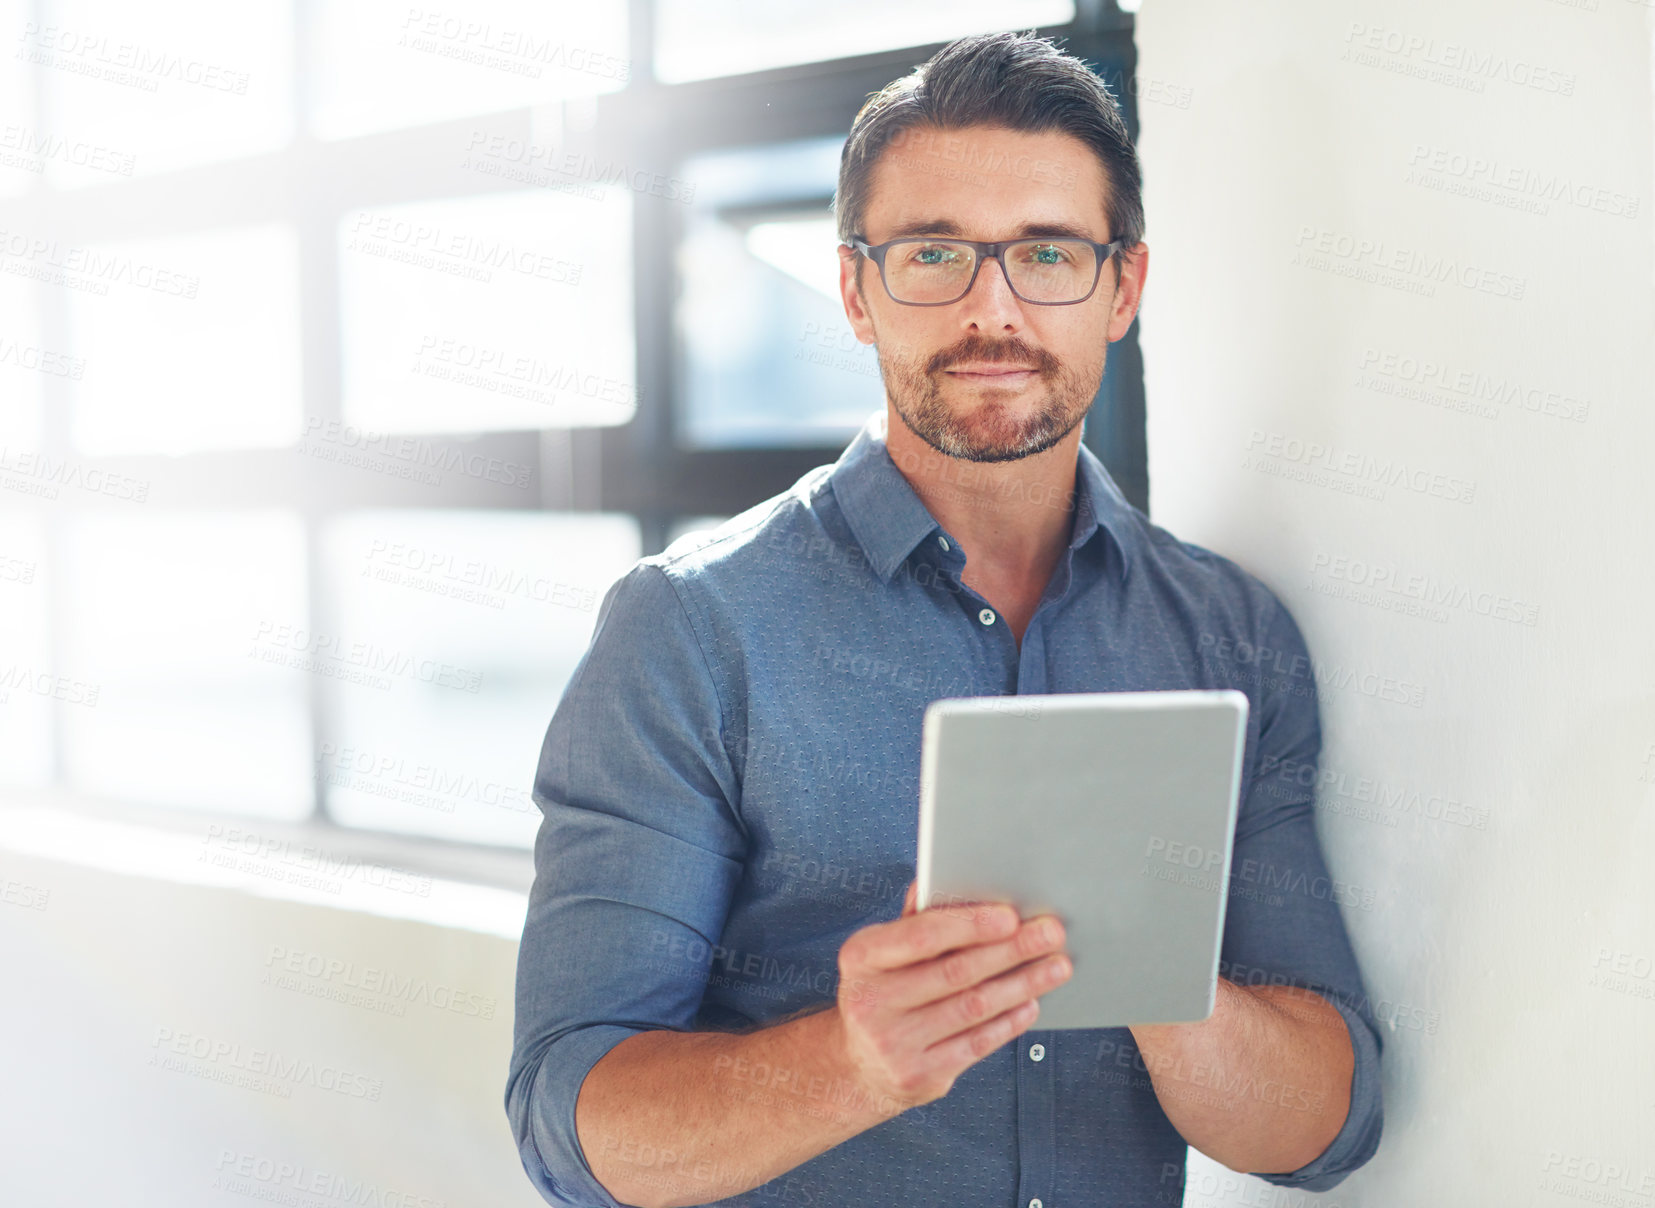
pixel 507 311
pixel 26 685
pixel 175 622
pixel 135 89
pixel 385 64
pixel 21 161
pixel 771 359
pixel 686 526
pixel 698 39
pixel 194 347
pixel 474 620
pixel 25 364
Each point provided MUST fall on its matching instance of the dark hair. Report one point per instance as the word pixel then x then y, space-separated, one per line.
pixel 1013 81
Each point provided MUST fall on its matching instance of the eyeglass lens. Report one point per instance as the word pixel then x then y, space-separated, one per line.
pixel 1041 270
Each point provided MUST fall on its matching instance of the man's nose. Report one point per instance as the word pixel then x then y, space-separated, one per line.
pixel 990 301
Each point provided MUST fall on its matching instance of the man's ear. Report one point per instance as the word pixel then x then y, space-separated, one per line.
pixel 856 310
pixel 1131 271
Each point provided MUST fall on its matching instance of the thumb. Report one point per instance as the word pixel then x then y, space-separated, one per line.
pixel 910 904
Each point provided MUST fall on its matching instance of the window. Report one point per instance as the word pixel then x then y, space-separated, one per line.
pixel 26 364
pixel 26 683
pixel 182 642
pixel 349 353
pixel 475 621
pixel 502 312
pixel 184 315
pixel 388 65
pixel 138 90
pixel 770 358
pixel 698 39
pixel 20 162
pixel 690 526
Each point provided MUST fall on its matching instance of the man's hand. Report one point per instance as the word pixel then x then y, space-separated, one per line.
pixel 928 995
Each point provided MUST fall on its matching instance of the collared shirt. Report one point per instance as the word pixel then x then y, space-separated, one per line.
pixel 730 784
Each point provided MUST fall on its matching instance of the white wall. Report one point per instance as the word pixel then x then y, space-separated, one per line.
pixel 1514 955
pixel 131 1005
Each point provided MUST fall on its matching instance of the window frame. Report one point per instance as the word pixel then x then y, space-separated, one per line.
pixel 639 469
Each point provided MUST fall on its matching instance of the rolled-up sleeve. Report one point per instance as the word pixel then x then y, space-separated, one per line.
pixel 638 855
pixel 1283 923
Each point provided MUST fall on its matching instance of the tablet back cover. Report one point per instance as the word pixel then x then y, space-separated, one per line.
pixel 1115 811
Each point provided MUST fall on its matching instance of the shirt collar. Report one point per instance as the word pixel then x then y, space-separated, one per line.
pixel 889 519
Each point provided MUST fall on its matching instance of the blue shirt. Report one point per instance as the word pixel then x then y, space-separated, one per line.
pixel 730 788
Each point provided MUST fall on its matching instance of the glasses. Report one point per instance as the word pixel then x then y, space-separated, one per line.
pixel 935 272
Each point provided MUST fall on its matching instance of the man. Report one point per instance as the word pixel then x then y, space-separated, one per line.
pixel 725 992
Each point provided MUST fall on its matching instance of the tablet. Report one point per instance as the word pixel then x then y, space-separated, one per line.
pixel 1114 811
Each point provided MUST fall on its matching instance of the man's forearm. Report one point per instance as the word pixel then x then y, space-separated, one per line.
pixel 671 1118
pixel 1263 1084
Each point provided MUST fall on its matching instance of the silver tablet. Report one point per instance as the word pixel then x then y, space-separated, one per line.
pixel 1114 811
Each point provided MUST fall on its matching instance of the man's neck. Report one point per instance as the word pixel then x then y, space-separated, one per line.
pixel 1013 518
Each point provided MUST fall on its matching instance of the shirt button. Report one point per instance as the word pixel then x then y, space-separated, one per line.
pixel 1035 1203
pixel 986 616
pixel 1036 1052
pixel 943 541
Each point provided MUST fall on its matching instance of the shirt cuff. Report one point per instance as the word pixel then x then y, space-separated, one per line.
pixel 1359 1137
pixel 552 1156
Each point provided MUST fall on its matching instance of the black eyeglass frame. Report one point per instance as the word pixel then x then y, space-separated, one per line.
pixel 983 253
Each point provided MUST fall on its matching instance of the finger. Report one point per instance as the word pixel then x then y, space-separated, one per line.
pixel 910 903
pixel 928 933
pixel 946 976
pixel 970 1047
pixel 970 1008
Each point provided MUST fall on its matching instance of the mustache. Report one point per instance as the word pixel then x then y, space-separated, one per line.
pixel 994 354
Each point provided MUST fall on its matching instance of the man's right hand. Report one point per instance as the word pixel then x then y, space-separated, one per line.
pixel 929 994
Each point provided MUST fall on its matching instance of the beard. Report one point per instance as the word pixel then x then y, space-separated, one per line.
pixel 994 426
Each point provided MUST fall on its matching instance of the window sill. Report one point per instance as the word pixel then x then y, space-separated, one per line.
pixel 432 881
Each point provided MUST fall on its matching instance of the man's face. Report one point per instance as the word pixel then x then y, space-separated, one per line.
pixel 990 377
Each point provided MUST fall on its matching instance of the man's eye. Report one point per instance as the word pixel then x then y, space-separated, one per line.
pixel 1048 254
pixel 935 255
